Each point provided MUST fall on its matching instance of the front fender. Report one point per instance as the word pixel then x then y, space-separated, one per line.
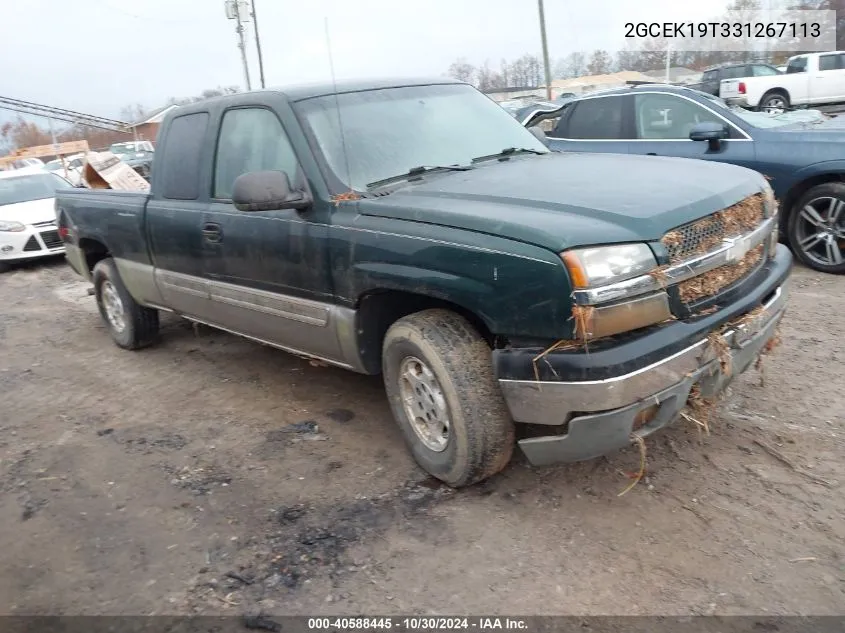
pixel 818 169
pixel 516 289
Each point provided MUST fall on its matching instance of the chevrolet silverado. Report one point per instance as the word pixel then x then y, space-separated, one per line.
pixel 414 229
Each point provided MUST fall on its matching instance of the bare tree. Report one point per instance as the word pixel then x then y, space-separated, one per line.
pixel 132 113
pixel 489 79
pixel 600 63
pixel 462 70
pixel 571 66
pixel 525 71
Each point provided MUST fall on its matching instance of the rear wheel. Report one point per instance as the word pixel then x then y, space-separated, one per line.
pixel 775 102
pixel 816 228
pixel 131 325
pixel 443 393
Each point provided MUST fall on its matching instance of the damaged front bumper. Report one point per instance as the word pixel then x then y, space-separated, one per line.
pixel 593 417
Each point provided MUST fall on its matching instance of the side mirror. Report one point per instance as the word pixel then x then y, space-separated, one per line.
pixel 711 132
pixel 267 191
pixel 537 131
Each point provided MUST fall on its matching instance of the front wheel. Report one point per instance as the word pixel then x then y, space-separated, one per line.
pixel 131 325
pixel 816 228
pixel 443 393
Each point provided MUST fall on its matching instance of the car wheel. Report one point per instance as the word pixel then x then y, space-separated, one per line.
pixel 816 228
pixel 774 102
pixel 443 393
pixel 131 325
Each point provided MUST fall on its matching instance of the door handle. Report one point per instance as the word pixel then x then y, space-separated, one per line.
pixel 652 154
pixel 211 232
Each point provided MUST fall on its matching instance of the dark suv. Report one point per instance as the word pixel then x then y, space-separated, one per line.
pixel 713 76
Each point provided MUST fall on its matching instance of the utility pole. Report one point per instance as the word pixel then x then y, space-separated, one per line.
pixel 258 45
pixel 233 12
pixel 668 59
pixel 545 50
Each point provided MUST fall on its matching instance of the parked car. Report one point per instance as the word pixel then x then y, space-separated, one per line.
pixel 524 110
pixel 137 154
pixel 800 153
pixel 712 77
pixel 71 169
pixel 22 163
pixel 810 79
pixel 27 215
pixel 416 230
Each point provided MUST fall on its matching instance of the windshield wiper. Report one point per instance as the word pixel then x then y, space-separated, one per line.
pixel 415 172
pixel 506 153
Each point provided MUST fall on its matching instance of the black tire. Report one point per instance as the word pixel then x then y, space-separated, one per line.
pixel 140 324
pixel 480 435
pixel 774 98
pixel 819 254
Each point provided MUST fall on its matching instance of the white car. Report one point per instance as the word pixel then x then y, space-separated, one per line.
pixel 72 168
pixel 27 215
pixel 810 79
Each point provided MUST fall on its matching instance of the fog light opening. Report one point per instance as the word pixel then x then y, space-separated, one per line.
pixel 6 248
pixel 645 417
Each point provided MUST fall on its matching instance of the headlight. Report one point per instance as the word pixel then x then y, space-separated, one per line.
pixel 11 227
pixel 594 268
pixel 590 267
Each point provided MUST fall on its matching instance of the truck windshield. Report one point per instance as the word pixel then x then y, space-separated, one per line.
pixel 31 187
pixel 391 131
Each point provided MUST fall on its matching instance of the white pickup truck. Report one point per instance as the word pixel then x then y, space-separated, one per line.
pixel 810 79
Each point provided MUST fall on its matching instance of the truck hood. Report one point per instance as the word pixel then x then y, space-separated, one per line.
pixel 562 200
pixel 30 212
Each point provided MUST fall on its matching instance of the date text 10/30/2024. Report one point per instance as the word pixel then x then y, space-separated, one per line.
pixel 421 623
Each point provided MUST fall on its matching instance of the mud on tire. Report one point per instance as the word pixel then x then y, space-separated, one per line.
pixel 450 371
pixel 131 325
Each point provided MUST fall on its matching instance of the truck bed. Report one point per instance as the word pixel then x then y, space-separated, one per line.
pixel 101 215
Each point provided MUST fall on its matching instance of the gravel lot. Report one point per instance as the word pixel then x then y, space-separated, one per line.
pixel 210 475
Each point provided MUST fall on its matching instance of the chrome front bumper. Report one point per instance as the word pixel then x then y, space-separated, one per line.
pixel 600 414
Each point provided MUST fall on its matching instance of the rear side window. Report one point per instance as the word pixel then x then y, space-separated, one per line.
pixel 596 119
pixel 831 62
pixel 797 65
pixel 180 164
pixel 710 75
pixel 735 72
pixel 763 71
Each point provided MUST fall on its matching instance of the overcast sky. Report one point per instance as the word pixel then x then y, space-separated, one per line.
pixel 97 56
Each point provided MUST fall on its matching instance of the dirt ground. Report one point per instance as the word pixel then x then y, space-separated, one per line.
pixel 212 475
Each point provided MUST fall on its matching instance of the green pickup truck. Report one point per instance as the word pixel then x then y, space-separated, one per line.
pixel 415 229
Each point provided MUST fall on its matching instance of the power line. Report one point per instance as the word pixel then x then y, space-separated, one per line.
pixel 61 114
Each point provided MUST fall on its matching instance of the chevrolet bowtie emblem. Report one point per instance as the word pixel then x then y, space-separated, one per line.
pixel 738 248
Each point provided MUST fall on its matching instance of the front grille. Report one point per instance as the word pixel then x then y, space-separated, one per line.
pixel 51 239
pixel 32 244
pixel 702 236
pixel 712 282
pixel 706 235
